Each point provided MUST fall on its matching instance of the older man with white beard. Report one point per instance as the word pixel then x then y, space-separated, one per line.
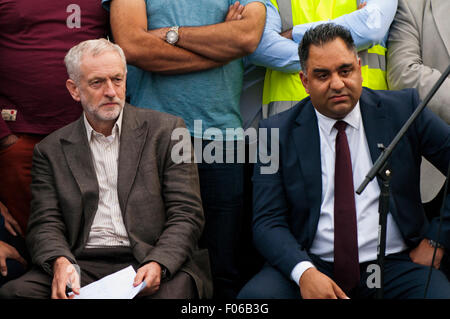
pixel 106 193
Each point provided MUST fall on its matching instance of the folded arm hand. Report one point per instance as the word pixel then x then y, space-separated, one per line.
pixel 279 50
pixel 228 40
pixel 147 50
pixel 198 48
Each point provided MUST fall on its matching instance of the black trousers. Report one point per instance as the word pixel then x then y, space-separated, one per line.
pixel 226 196
pixel 95 264
pixel 222 192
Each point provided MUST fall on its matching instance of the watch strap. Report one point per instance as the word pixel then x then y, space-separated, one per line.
pixel 434 243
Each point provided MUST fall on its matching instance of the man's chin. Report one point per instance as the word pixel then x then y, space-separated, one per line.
pixel 109 115
pixel 342 109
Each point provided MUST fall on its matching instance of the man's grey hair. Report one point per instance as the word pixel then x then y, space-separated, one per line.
pixel 92 47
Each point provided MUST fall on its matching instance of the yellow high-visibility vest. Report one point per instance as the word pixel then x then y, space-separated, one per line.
pixel 281 86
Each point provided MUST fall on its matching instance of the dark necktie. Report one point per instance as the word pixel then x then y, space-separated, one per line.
pixel 346 263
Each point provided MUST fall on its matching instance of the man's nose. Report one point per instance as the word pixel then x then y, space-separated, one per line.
pixel 336 83
pixel 109 89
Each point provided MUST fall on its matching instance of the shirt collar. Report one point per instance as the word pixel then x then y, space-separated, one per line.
pixel 116 129
pixel 353 119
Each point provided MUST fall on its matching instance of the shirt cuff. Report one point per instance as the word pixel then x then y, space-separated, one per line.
pixel 299 269
pixel 299 30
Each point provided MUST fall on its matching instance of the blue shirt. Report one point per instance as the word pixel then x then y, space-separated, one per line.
pixel 368 26
pixel 211 95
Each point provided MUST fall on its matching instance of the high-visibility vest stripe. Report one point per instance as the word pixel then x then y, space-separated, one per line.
pixel 372 59
pixel 286 19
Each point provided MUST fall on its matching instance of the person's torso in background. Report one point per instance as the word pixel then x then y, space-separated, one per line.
pixel 211 95
pixel 34 38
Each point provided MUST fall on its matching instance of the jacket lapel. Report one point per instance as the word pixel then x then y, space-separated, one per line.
pixel 307 146
pixel 78 157
pixel 132 141
pixel 440 10
pixel 376 124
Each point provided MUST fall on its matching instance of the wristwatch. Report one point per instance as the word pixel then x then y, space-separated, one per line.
pixel 163 272
pixel 172 35
pixel 434 244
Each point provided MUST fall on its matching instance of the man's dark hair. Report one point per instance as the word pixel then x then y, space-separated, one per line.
pixel 321 35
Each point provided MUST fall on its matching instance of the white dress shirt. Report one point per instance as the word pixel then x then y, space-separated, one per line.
pixel 366 204
pixel 108 228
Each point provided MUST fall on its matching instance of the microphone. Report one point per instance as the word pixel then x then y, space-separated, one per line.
pixel 382 159
pixel 379 168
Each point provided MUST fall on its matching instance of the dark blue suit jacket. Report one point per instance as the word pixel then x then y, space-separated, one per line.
pixel 287 203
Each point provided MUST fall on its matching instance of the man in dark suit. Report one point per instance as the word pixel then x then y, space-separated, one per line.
pixel 318 237
pixel 107 193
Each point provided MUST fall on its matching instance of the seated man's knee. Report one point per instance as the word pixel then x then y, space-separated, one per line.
pixel 10 290
pixel 249 291
pixel 269 284
pixel 15 270
pixel 34 284
pixel 256 291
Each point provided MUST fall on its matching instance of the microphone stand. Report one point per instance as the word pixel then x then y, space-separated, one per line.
pixel 380 169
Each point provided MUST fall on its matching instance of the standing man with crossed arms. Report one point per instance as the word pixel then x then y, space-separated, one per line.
pixel 185 60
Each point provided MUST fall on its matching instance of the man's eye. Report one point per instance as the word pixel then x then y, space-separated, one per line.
pixel 118 80
pixel 96 83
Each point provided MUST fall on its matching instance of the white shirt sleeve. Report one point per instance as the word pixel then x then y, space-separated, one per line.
pixel 299 269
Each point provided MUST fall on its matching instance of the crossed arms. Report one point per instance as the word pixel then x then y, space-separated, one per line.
pixel 199 48
pixel 279 51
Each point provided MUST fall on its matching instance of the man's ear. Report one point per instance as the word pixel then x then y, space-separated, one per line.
pixel 73 90
pixel 359 69
pixel 304 80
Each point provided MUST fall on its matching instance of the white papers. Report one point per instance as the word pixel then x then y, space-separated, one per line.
pixel 118 285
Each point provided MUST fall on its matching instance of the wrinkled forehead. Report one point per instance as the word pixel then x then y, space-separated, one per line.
pixel 104 64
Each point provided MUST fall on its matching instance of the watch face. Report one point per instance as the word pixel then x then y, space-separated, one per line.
pixel 171 37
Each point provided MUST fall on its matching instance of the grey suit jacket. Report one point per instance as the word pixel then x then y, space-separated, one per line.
pixel 418 53
pixel 159 199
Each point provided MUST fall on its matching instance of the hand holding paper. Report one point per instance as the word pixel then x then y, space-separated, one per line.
pixel 150 274
pixel 64 273
pixel 118 285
